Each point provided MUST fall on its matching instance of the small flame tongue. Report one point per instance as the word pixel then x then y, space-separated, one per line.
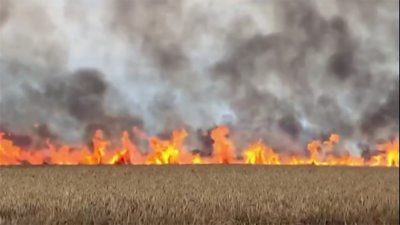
pixel 173 151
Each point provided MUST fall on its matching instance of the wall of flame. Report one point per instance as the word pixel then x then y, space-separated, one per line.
pixel 174 151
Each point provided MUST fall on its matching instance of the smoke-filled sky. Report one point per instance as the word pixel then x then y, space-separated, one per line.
pixel 286 71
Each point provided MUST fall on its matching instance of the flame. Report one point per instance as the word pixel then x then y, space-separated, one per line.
pixel 197 159
pixel 391 153
pixel 167 151
pixel 314 149
pixel 258 153
pixel 222 147
pixel 173 151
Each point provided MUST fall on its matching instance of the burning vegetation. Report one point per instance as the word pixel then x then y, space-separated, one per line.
pixel 283 71
pixel 174 151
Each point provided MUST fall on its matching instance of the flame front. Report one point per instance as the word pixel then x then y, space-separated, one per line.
pixel 173 151
pixel 258 153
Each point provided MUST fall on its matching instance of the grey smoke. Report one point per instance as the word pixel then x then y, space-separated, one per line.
pixel 286 71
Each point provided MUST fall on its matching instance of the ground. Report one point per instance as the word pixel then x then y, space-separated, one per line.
pixel 231 194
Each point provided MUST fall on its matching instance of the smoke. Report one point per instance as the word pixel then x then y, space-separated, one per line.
pixel 286 71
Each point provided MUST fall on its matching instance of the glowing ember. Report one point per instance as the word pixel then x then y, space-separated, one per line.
pixel 173 151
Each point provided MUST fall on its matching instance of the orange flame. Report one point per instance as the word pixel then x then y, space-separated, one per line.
pixel 173 151
pixel 391 153
pixel 167 151
pixel 223 147
pixel 258 153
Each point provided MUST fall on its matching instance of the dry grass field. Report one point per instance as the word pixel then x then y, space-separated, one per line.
pixel 198 195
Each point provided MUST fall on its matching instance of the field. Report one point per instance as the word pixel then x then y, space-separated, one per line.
pixel 198 195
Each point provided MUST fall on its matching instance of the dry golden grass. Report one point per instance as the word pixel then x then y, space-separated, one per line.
pixel 198 195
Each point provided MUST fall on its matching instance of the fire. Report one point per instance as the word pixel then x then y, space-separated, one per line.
pixel 391 152
pixel 318 150
pixel 167 151
pixel 314 149
pixel 173 151
pixel 197 159
pixel 223 147
pixel 99 147
pixel 258 153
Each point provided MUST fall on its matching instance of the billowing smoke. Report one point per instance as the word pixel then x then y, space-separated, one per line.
pixel 286 71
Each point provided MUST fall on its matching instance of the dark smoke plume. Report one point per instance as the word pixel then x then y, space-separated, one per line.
pixel 286 71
